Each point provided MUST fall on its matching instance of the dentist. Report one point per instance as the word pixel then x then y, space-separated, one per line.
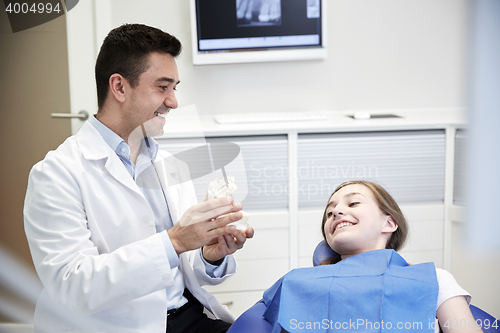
pixel 114 256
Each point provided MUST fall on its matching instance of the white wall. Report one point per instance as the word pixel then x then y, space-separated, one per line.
pixel 382 54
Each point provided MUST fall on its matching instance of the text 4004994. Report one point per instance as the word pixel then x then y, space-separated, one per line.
pixel 35 8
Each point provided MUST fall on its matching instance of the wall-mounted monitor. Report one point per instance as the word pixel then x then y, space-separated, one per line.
pixel 238 31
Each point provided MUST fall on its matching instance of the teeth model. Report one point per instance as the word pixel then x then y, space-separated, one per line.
pixel 241 224
pixel 218 189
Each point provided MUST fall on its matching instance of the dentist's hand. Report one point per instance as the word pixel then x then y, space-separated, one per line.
pixel 226 244
pixel 199 226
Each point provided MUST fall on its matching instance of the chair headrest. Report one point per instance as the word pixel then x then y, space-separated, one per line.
pixel 322 252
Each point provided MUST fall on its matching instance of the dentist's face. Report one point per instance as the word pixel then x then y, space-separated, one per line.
pixel 354 222
pixel 151 100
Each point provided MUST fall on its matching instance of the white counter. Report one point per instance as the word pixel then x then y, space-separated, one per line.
pixel 337 121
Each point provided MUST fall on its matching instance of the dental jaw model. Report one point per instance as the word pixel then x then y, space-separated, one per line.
pixel 224 187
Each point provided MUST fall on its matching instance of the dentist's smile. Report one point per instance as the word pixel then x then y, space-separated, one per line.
pixel 163 115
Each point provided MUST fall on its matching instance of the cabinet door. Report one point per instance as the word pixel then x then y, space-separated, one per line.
pixel 409 164
pixel 264 164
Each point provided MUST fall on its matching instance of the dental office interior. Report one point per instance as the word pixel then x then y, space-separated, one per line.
pixel 423 75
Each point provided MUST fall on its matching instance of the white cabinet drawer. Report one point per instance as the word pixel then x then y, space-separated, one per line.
pixel 253 275
pixel 418 257
pixel 238 303
pixel 309 238
pixel 271 238
pixel 425 236
pixel 266 244
pixel 426 231
pixel 265 219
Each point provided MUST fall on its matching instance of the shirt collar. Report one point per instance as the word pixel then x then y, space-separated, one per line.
pixel 119 146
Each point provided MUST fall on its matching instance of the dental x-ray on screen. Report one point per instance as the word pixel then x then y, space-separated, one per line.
pixel 238 31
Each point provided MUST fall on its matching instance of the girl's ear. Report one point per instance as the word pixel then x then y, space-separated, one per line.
pixel 390 225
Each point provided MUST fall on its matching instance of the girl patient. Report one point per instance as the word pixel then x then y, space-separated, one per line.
pixel 366 286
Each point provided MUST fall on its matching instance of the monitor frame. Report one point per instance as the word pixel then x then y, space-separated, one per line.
pixel 252 56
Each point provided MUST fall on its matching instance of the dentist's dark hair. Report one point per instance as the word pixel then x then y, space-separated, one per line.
pixel 387 205
pixel 126 50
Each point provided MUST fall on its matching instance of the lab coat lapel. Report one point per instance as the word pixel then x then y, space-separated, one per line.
pixel 94 147
pixel 169 178
pixel 120 173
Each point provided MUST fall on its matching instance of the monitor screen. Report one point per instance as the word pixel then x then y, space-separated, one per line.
pixel 235 31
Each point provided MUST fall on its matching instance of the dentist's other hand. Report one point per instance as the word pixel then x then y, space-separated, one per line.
pixel 226 244
pixel 199 226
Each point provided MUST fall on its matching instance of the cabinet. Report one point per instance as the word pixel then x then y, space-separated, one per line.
pixel 292 168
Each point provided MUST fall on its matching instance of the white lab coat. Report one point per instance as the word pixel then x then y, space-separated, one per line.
pixel 94 244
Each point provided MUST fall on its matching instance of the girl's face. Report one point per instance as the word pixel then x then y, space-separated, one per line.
pixel 354 222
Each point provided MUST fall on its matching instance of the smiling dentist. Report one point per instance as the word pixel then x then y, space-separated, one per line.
pixel 114 256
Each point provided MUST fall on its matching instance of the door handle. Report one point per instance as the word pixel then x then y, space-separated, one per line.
pixel 83 115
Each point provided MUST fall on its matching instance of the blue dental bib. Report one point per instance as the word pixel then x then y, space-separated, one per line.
pixel 375 291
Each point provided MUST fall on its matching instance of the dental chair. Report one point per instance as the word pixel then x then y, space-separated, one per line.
pixel 252 321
